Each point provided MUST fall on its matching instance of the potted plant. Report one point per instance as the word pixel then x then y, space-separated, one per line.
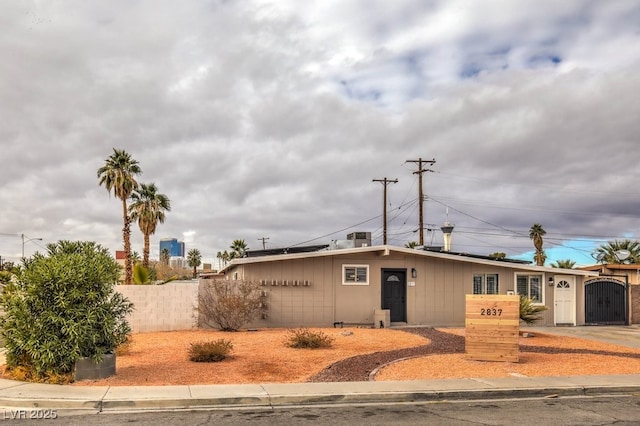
pixel 62 312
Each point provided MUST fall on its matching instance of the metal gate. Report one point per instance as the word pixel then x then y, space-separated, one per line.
pixel 605 301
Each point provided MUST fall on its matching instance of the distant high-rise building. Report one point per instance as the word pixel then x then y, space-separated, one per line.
pixel 175 247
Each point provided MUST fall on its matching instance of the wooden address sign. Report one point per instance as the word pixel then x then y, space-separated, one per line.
pixel 492 327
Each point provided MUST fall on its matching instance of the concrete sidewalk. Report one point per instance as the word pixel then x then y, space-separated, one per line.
pixel 30 396
pixel 16 395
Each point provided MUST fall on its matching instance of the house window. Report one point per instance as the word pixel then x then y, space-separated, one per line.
pixel 530 286
pixel 355 274
pixel 485 283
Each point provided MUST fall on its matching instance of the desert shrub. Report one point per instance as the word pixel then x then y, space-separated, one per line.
pixel 302 338
pixel 229 304
pixel 529 311
pixel 211 351
pixel 61 307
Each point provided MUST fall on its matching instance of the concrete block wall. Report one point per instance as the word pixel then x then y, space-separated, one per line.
pixel 162 307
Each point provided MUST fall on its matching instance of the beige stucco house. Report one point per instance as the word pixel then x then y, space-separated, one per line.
pixel 367 285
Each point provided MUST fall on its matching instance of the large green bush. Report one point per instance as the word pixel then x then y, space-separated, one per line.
pixel 61 307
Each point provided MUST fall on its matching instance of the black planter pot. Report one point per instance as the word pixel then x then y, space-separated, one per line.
pixel 86 369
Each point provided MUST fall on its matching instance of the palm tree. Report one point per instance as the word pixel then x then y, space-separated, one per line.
pixel 238 248
pixel 564 264
pixel 536 233
pixel 148 208
pixel 135 257
pixel 411 244
pixel 611 252
pixel 219 257
pixel 226 257
pixel 118 175
pixel 164 256
pixel 193 259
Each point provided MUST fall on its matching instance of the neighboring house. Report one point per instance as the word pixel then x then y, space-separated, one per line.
pixel 613 297
pixel 120 259
pixel 417 287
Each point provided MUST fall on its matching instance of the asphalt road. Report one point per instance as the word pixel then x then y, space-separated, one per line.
pixel 619 410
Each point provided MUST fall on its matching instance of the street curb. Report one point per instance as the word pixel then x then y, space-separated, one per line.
pixel 270 401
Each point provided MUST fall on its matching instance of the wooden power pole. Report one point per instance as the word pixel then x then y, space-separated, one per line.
pixel 385 182
pixel 264 242
pixel 419 172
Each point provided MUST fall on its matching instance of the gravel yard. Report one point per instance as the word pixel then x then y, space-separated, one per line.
pixel 357 354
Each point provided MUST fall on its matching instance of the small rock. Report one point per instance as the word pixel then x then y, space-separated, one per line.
pixel 347 333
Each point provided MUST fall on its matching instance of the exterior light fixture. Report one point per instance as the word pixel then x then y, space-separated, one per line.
pixel 414 273
pixel 550 280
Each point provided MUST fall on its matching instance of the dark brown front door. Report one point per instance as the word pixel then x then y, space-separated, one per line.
pixel 394 293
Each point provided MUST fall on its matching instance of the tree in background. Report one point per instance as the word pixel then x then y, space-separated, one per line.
pixel 164 256
pixel 194 258
pixel 135 257
pixel 411 244
pixel 238 249
pixel 564 264
pixel 536 233
pixel 148 207
pixel 498 255
pixel 118 175
pixel 611 252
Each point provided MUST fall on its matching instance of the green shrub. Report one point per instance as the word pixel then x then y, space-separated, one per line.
pixel 529 311
pixel 302 338
pixel 61 307
pixel 211 351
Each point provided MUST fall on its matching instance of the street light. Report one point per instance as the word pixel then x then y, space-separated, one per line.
pixel 26 241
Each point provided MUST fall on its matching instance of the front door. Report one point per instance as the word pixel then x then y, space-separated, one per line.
pixel 564 299
pixel 394 293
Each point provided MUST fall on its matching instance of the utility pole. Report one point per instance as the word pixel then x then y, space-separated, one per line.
pixel 264 242
pixel 419 172
pixel 385 182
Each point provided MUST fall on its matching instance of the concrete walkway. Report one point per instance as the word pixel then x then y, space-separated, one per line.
pixel 70 399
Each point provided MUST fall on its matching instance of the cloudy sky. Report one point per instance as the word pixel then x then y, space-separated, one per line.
pixel 272 118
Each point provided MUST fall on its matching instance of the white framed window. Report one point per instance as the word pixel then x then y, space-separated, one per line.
pixel 485 283
pixel 355 274
pixel 530 286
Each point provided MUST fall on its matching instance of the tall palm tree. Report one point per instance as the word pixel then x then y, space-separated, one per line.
pixel 536 233
pixel 148 207
pixel 564 264
pixel 610 252
pixel 194 258
pixel 238 248
pixel 118 175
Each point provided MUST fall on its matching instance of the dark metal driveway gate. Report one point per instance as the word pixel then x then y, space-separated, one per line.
pixel 605 301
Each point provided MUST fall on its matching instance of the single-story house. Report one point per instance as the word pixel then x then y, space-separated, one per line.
pixel 369 284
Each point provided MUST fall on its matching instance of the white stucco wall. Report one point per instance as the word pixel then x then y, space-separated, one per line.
pixel 161 307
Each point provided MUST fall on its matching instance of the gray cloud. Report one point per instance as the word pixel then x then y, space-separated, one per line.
pixel 270 119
